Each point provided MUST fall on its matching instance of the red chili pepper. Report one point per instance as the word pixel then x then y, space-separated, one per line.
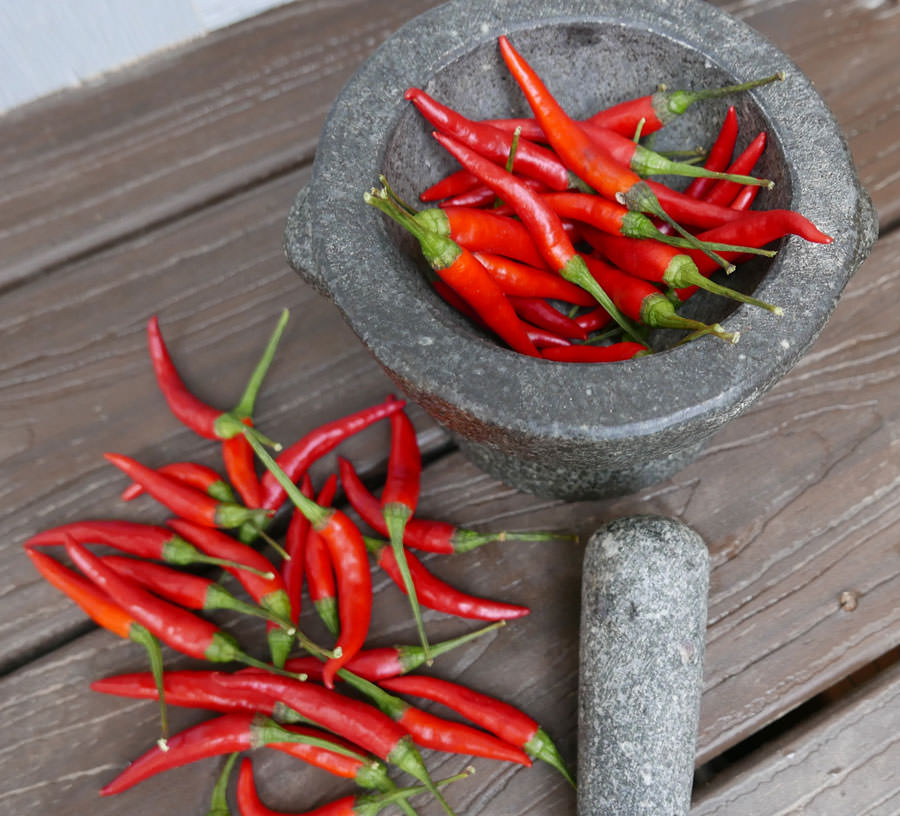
pixel 185 501
pixel 297 458
pixel 142 540
pixel 500 718
pixel 424 534
pixel 642 301
pixel 222 735
pixel 542 223
pixel 691 211
pixel 483 196
pixel 348 555
pixel 462 271
pixel 660 108
pixel 183 588
pixel 724 192
pixel 319 570
pixel 516 278
pixel 106 613
pixel 192 474
pixel 744 198
pixel 180 629
pixel 719 155
pixel 438 595
pixel 594 354
pixel 295 547
pixel 593 320
pixel 482 231
pixel 541 313
pixel 388 661
pixel 454 184
pixel 239 465
pixel 658 263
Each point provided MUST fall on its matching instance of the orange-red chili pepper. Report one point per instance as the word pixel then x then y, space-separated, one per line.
pixel 193 474
pixel 319 569
pixel 516 278
pixel 239 465
pixel 185 501
pixel 297 458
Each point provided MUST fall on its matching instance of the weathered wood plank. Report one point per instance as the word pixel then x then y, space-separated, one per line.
pixel 843 761
pixel 85 168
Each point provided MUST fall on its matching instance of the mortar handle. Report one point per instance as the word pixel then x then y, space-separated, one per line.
pixel 298 241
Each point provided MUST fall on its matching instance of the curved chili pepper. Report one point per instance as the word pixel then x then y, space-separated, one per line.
pixel 541 313
pixel 388 661
pixel 719 155
pixel 642 301
pixel 438 595
pixel 542 223
pixel 529 281
pixel 239 465
pixel 661 107
pixel 348 555
pixel 180 629
pixel 593 320
pixel 106 613
pixel 265 587
pixel 222 735
pixel 454 184
pixel 500 718
pixel 530 159
pixel 595 354
pixel 319 570
pixel 192 474
pixel 483 196
pixel 297 458
pixel 482 231
pixel 424 534
pixel 295 547
pixel 185 501
pixel 183 588
pixel 462 271
pixel 142 540
pixel 658 263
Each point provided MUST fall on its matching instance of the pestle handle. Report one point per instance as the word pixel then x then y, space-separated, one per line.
pixel 643 627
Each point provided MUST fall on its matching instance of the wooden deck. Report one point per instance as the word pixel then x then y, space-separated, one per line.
pixel 164 190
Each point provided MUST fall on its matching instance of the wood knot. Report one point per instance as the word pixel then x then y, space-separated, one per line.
pixel 848 600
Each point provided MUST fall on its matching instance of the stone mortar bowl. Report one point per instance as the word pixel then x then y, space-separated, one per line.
pixel 575 431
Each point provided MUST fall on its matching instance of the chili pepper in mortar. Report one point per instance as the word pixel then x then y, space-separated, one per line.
pixel 461 270
pixel 193 474
pixel 483 196
pixel 539 312
pixel 516 278
pixel 348 554
pixel 319 570
pixel 595 354
pixel 543 225
pixel 185 501
pixel 142 540
pixel 106 613
pixel 438 595
pixel 500 718
pixel 454 184
pixel 297 458
pixel 719 155
pixel 425 534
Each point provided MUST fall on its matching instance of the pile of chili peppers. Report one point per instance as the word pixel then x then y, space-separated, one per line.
pixel 548 237
pixel 290 702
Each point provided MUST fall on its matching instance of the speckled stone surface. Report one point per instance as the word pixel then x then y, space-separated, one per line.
pixel 643 624
pixel 554 429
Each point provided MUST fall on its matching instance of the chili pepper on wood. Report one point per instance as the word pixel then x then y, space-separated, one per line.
pixel 218 805
pixel 295 546
pixel 724 192
pixel 185 501
pixel 134 538
pixel 424 534
pixel 542 223
pixel 183 588
pixel 106 613
pixel 539 312
pixel 348 555
pixel 389 661
pixel 579 152
pixel 595 354
pixel 297 458
pixel 239 465
pixel 180 629
pixel 192 474
pixel 319 569
pixel 500 718
pixel 719 155
pixel 438 595
pixel 463 272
